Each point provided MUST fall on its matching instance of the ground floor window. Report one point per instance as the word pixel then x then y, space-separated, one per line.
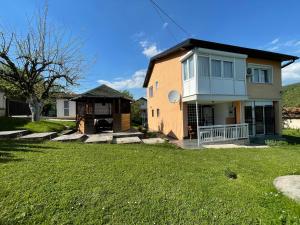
pixel 205 115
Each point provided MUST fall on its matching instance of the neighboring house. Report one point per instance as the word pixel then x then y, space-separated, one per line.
pixel 65 107
pixel 143 109
pixel 2 103
pixel 227 84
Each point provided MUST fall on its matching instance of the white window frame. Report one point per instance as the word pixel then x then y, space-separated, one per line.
pixel 156 85
pixel 261 67
pixel 187 61
pixel 66 108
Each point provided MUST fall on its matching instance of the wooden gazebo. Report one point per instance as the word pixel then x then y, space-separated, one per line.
pixel 102 108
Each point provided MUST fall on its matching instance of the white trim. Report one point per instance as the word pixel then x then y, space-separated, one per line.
pixel 220 53
pixel 253 66
pixel 215 97
pixel 186 56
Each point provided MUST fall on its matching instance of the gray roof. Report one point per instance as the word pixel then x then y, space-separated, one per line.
pixel 103 91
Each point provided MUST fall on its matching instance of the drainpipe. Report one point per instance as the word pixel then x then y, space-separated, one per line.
pixel 288 63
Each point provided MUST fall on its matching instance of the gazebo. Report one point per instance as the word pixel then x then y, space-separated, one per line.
pixel 102 108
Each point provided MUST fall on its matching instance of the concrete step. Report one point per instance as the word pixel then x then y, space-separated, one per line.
pixel 39 136
pixel 127 134
pixel 99 138
pixel 12 134
pixel 71 137
pixel 126 140
pixel 153 141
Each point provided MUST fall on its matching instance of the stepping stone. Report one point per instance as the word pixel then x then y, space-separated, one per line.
pixel 12 134
pixel 70 137
pixel 127 134
pixel 153 141
pixel 289 186
pixel 99 138
pixel 64 132
pixel 127 140
pixel 39 136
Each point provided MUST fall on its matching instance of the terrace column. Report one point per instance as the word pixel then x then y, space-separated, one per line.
pixel 197 119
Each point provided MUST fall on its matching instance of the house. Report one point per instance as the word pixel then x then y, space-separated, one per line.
pixel 236 91
pixel 102 108
pixel 65 107
pixel 2 103
pixel 143 109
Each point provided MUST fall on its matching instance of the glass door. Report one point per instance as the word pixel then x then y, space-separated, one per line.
pixel 259 120
pixel 249 118
pixel 269 119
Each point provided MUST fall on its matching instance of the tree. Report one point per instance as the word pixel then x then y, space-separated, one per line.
pixel 135 108
pixel 40 61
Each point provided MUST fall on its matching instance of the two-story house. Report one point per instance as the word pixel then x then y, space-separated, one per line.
pixel 236 91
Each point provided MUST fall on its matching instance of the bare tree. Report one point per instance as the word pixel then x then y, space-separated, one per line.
pixel 40 61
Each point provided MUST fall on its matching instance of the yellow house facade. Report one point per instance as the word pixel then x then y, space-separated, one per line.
pixel 233 88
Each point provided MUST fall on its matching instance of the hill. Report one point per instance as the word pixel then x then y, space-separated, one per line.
pixel 291 95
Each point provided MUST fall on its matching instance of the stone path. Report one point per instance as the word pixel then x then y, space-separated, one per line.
pixel 127 134
pixel 153 141
pixel 70 137
pixel 39 136
pixel 99 138
pixel 127 140
pixel 12 134
pixel 289 186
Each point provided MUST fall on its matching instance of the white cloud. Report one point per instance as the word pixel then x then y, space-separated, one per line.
pixel 291 73
pixel 273 48
pixel 135 81
pixel 165 25
pixel 274 41
pixel 149 49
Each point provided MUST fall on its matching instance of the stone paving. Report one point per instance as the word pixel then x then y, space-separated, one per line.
pixel 12 134
pixel 127 140
pixel 153 141
pixel 289 186
pixel 39 136
pixel 70 137
pixel 99 138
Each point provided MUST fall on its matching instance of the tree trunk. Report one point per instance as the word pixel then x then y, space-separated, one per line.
pixel 36 107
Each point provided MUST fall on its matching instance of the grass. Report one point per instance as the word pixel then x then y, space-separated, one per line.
pixel 8 123
pixel 291 95
pixel 76 183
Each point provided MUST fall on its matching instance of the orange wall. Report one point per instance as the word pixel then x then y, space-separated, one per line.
pixel 168 75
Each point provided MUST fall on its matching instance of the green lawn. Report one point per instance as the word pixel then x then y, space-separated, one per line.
pixel 76 183
pixel 41 126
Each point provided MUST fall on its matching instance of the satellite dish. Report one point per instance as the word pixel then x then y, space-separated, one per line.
pixel 173 96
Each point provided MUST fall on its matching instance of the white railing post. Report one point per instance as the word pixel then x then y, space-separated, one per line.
pixel 224 133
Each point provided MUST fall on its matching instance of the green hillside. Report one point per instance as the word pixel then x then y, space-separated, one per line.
pixel 291 95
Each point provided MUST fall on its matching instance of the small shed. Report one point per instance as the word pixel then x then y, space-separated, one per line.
pixel 102 108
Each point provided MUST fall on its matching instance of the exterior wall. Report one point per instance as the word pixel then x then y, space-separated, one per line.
pixel 2 104
pixel 60 108
pixel 171 120
pixel 270 92
pixel 266 91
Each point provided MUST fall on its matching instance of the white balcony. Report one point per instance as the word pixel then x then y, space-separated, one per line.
pixel 210 75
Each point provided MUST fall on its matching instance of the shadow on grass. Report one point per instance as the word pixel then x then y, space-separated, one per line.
pixel 294 140
pixel 6 157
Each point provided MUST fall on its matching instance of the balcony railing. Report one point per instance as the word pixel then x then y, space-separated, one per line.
pixel 222 132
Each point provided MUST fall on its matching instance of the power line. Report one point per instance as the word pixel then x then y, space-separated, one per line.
pixel 170 18
pixel 164 21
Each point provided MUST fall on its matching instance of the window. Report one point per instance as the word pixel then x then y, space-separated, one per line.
pixel 228 69
pixel 188 68
pixel 156 85
pixel 261 75
pixel 66 108
pixel 157 112
pixel 203 66
pixel 151 91
pixel 152 112
pixel 216 68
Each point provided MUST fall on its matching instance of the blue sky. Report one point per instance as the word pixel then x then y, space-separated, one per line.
pixel 121 35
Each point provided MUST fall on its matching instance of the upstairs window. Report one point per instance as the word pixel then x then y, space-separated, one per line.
pixel 188 68
pixel 151 91
pixel 157 112
pixel 156 85
pixel 216 70
pixel 262 75
pixel 228 69
pixel 203 66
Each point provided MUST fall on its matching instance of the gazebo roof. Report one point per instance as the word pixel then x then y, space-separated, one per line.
pixel 103 91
